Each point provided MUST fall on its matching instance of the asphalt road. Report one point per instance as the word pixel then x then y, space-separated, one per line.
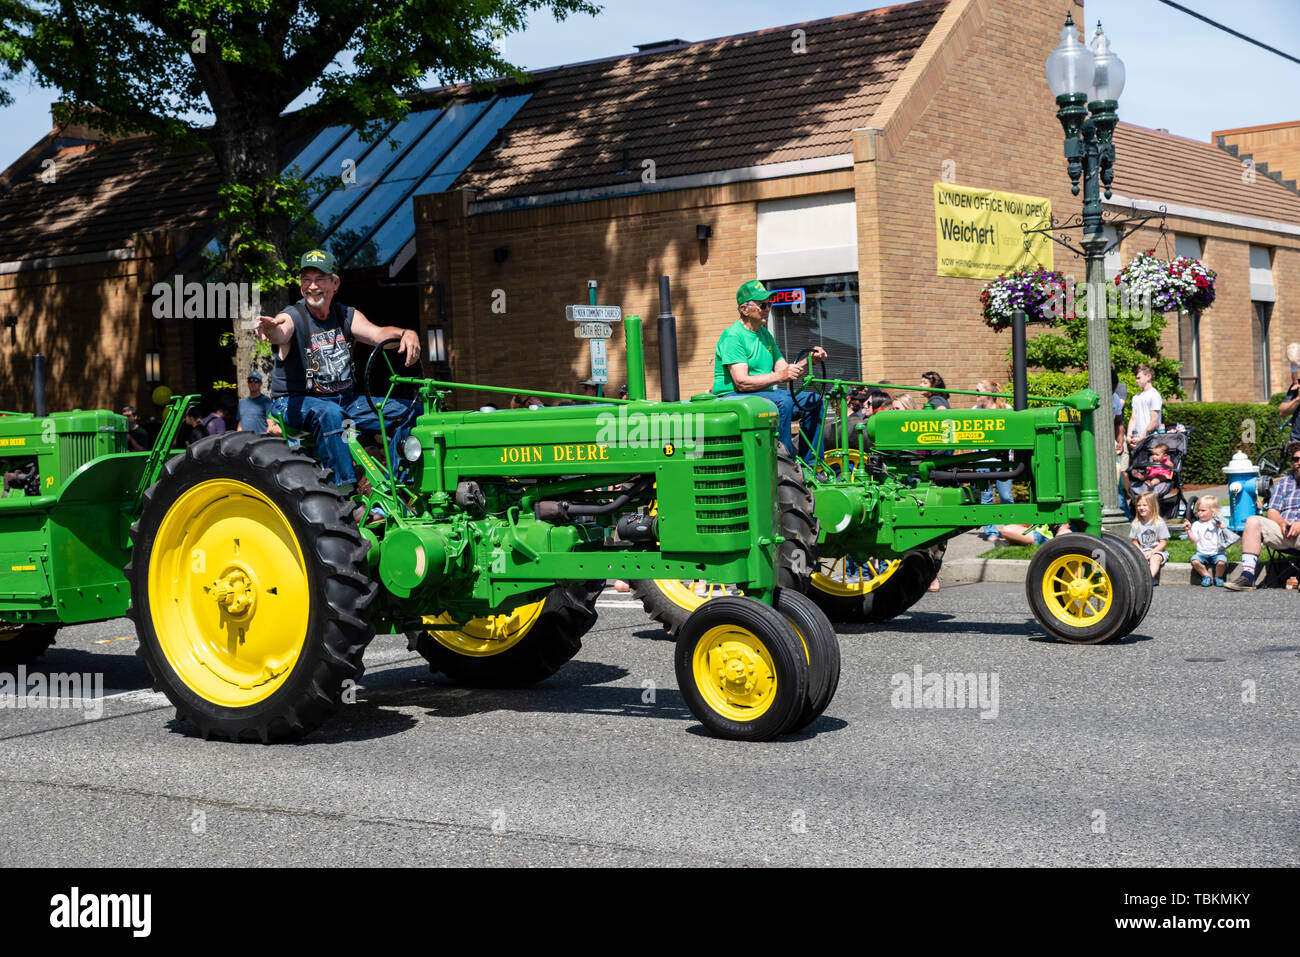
pixel 1138 753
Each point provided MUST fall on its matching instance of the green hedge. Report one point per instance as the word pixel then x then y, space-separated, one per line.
pixel 1220 427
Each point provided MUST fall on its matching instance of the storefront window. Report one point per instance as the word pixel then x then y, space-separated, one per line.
pixel 1259 349
pixel 827 317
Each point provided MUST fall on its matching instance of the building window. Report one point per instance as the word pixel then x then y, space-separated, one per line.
pixel 1262 312
pixel 828 317
pixel 1189 354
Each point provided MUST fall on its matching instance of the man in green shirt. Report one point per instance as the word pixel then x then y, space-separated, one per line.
pixel 748 361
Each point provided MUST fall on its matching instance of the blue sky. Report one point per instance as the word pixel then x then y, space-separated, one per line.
pixel 1182 74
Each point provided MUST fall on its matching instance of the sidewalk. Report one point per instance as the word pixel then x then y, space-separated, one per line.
pixel 962 563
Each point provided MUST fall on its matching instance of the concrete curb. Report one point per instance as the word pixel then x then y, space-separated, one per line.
pixel 1013 570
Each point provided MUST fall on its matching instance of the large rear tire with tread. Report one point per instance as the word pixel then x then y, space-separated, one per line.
pixel 918 567
pixel 23 644
pixel 249 588
pixel 517 649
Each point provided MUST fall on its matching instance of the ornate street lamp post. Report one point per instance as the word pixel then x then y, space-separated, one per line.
pixel 1079 75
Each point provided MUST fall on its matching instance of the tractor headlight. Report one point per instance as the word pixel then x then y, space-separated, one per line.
pixel 411 449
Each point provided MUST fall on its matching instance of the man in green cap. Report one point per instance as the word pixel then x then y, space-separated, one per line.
pixel 313 384
pixel 748 361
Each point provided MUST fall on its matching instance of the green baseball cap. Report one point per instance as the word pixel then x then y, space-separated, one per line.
pixel 752 291
pixel 317 259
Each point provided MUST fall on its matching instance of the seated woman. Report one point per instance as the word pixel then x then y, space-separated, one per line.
pixel 1031 534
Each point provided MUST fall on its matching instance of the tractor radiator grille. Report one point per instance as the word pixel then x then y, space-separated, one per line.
pixel 721 495
pixel 75 450
pixel 720 499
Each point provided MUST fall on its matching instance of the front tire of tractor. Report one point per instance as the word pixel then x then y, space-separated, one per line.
pixel 23 644
pixel 518 649
pixel 671 601
pixel 249 589
pixel 742 669
pixel 821 650
pixel 1079 589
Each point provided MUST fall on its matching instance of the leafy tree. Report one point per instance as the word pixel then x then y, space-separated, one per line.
pixel 130 66
pixel 1134 339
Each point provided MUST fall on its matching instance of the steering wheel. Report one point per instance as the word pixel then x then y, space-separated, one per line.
pixel 796 387
pixel 370 365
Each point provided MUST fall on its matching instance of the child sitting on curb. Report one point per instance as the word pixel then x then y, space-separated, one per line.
pixel 1150 533
pixel 1212 538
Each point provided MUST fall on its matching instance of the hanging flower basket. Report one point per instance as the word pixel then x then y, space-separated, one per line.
pixel 1174 285
pixel 1032 290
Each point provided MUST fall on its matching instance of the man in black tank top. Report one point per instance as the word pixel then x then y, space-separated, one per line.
pixel 313 385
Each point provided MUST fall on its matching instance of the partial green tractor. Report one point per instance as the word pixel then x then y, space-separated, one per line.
pixel 69 492
pixel 255 590
pixel 894 489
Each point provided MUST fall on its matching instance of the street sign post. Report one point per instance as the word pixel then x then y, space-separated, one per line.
pixel 593 330
pixel 593 313
pixel 599 361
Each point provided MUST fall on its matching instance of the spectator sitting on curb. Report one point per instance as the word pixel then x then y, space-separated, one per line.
pixel 1212 539
pixel 1032 534
pixel 1150 533
pixel 1280 528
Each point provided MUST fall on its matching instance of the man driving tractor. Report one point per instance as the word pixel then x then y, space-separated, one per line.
pixel 748 361
pixel 313 385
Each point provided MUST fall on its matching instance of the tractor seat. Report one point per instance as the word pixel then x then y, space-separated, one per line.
pixel 295 437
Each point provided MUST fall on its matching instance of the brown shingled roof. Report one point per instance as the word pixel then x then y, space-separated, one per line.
pixel 715 105
pixel 104 195
pixel 1161 167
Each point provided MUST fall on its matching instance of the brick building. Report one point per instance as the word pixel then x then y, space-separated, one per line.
pixel 816 168
pixel 804 155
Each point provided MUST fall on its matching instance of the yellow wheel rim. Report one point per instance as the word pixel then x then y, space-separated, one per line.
pixel 839 456
pixel 834 578
pixel 691 594
pixel 734 673
pixel 484 637
pixel 1077 590
pixel 229 593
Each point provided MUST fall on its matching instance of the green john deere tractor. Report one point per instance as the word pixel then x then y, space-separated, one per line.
pixel 255 588
pixel 883 501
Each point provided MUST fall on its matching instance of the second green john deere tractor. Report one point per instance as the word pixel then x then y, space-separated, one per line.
pixel 870 518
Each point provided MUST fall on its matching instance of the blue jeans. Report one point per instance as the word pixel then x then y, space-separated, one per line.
pixel 325 416
pixel 810 419
pixel 1005 497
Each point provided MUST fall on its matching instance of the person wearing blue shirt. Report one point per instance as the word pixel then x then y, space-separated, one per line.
pixel 254 410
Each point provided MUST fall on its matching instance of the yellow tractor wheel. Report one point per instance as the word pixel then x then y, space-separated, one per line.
pixel 249 588
pixel 519 648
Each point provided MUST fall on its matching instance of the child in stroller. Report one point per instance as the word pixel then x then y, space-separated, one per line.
pixel 1159 470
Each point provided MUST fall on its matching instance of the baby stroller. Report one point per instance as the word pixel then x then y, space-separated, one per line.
pixel 1173 501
